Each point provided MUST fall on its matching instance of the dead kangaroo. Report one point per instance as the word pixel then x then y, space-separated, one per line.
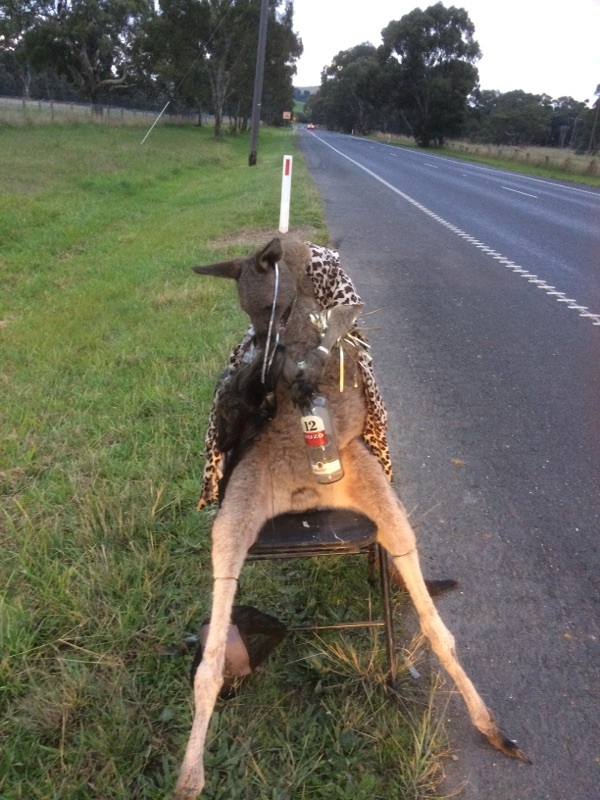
pixel 268 471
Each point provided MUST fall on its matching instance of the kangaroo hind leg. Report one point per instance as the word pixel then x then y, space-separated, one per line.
pixel 234 531
pixel 374 496
pixel 443 644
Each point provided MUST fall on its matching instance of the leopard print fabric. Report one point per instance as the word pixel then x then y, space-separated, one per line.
pixel 332 288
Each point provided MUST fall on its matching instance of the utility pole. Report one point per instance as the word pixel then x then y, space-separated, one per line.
pixel 258 80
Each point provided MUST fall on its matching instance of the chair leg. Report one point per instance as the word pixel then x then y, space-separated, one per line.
pixel 384 575
pixel 372 556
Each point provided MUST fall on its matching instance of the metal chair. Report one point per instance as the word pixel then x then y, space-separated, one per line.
pixel 330 532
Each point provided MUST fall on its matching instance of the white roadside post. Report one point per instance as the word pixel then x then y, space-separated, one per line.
pixel 286 191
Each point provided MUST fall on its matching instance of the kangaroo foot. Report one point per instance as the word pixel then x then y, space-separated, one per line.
pixel 508 746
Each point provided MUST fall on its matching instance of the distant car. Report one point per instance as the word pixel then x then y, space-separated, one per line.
pixel 310 126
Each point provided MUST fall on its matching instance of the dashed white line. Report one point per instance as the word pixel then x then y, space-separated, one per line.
pixel 516 191
pixel 523 273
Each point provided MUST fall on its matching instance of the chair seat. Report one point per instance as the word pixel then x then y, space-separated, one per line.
pixel 314 533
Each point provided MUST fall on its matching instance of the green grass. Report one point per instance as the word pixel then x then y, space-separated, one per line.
pixel 109 347
pixel 544 162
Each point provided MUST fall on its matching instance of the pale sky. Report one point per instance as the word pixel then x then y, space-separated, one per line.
pixel 539 46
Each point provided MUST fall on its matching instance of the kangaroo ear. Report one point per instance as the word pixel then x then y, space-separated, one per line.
pixel 269 256
pixel 224 269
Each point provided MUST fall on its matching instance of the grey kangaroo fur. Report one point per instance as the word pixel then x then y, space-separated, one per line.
pixel 272 474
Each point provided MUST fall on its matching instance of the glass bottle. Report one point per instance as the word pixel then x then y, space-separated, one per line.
pixel 321 444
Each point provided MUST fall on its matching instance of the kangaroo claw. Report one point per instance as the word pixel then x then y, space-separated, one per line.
pixel 508 746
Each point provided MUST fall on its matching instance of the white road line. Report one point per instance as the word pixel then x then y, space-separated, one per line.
pixel 456 161
pixel 516 191
pixel 523 273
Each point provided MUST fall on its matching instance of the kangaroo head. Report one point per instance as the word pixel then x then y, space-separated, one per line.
pixel 266 282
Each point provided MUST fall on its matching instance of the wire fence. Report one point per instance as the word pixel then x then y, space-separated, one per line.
pixel 21 111
pixel 561 159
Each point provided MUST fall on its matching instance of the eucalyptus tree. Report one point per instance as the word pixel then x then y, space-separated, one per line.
pixel 170 52
pixel 204 51
pixel 433 54
pixel 284 48
pixel 350 97
pixel 86 41
pixel 232 56
pixel 514 118
pixel 16 18
pixel 566 114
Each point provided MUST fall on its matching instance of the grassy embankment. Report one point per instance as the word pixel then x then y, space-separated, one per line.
pixel 543 162
pixel 109 350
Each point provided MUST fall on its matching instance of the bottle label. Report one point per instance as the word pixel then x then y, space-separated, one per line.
pixel 314 431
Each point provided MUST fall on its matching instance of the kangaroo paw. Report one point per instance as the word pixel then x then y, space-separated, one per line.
pixel 508 746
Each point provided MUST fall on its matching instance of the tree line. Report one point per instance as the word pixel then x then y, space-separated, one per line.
pixel 192 54
pixel 422 82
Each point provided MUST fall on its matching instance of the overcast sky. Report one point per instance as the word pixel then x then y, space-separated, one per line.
pixel 540 46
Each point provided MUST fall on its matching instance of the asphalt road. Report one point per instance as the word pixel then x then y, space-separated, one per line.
pixel 487 347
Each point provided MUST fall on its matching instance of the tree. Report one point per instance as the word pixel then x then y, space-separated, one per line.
pixel 348 97
pixel 232 61
pixel 435 52
pixel 566 113
pixel 16 18
pixel 86 41
pixel 515 118
pixel 284 48
pixel 170 51
pixel 207 49
pixel 586 130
